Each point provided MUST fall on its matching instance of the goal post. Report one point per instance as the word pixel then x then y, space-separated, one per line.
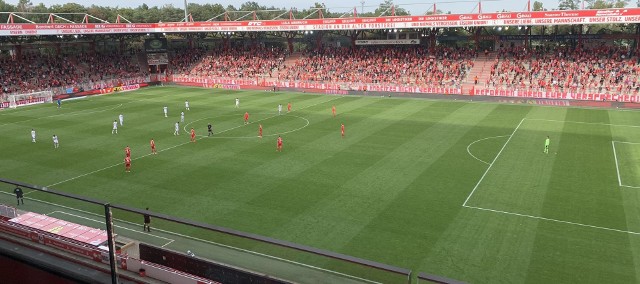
pixel 30 99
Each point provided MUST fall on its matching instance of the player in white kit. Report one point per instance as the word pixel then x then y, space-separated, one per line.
pixel 279 109
pixel 177 129
pixel 55 142
pixel 182 116
pixel 33 135
pixel 166 110
pixel 121 118
pixel 115 127
pixel 237 103
pixel 186 105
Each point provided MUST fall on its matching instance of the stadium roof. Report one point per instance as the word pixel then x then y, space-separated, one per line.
pixel 57 24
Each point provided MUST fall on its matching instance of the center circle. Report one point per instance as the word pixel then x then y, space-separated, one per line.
pixel 218 134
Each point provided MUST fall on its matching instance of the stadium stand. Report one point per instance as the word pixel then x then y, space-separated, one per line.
pixel 405 65
pixel 236 63
pixel 600 69
pixel 381 65
pixel 32 72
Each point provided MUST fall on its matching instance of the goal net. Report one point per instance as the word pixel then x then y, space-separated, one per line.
pixel 30 99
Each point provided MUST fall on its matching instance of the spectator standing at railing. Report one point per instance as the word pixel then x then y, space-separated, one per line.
pixel 19 195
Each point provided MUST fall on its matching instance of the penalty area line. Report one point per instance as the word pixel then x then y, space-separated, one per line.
pixel 492 162
pixel 615 155
pixel 474 142
pixel 553 220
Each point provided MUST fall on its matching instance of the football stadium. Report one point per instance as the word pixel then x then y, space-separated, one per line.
pixel 377 143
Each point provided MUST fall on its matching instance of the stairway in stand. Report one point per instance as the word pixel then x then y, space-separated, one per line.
pixel 288 62
pixel 481 69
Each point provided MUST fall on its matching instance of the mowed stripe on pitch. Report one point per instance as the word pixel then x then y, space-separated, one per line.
pixel 341 217
pixel 235 191
pixel 156 175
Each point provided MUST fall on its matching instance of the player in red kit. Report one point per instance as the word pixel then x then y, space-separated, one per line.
pixel 246 118
pixel 342 130
pixel 127 151
pixel 333 110
pixel 289 107
pixel 153 146
pixel 193 135
pixel 279 147
pixel 260 131
pixel 127 164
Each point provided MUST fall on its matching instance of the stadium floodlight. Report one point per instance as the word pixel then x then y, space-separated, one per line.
pixel 30 99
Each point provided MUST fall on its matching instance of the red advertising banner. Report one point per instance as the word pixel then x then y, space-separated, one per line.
pixel 565 17
pixel 626 98
pixel 211 81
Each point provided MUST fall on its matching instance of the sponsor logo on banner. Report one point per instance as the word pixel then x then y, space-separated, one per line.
pixel 387 41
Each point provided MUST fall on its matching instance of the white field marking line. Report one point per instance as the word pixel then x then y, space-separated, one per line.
pixel 252 122
pixel 171 241
pixel 582 122
pixel 554 220
pixel 223 115
pixel 121 227
pixel 474 142
pixel 623 142
pixel 80 112
pixel 492 162
pixel 269 135
pixel 205 241
pixel 166 149
pixel 615 155
pixel 613 144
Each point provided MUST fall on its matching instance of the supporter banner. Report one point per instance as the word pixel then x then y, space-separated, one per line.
pixel 157 58
pixel 4 105
pixel 223 86
pixel 565 37
pixel 563 17
pixel 336 92
pixel 31 101
pixel 154 45
pixel 536 102
pixel 120 89
pixel 388 41
pixel 206 81
pixel 628 98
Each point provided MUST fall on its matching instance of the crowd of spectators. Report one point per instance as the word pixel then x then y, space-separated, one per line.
pixel 181 61
pixel 99 67
pixel 237 63
pixel 34 71
pixel 600 68
pixel 383 65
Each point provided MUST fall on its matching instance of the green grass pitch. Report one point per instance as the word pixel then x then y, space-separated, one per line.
pixel 458 189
